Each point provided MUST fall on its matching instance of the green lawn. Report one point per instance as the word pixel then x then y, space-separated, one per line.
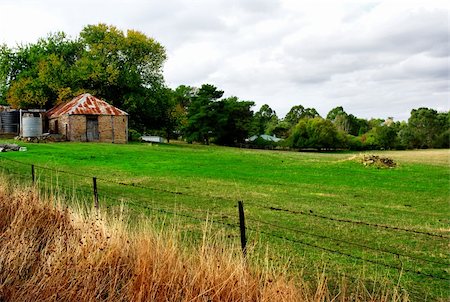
pixel 207 181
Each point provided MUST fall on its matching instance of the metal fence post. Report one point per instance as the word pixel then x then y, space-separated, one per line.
pixel 94 182
pixel 33 177
pixel 242 228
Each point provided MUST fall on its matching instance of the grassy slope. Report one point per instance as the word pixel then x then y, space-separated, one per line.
pixel 414 195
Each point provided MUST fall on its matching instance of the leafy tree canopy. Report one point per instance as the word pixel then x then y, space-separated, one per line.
pixel 426 127
pixel 264 120
pixel 315 133
pixel 124 69
pixel 226 121
pixel 202 113
pixel 298 112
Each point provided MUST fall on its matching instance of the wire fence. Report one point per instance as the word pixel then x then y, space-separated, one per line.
pixel 75 183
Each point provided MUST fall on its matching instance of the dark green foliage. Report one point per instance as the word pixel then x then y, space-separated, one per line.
pixel 150 109
pixel 299 112
pixel 381 137
pixel 261 143
pixel 41 74
pixel 317 133
pixel 280 129
pixel 347 123
pixel 201 116
pixel 226 121
pixel 234 120
pixel 264 121
pixel 335 112
pixel 427 129
pixel 133 135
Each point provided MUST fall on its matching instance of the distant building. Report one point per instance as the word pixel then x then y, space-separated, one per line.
pixel 389 121
pixel 152 139
pixel 268 138
pixel 89 119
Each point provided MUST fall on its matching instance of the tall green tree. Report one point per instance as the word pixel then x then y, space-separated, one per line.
pixel 426 126
pixel 39 75
pixel 210 118
pixel 333 113
pixel 233 121
pixel 298 112
pixel 178 104
pixel 5 74
pixel 345 122
pixel 384 136
pixel 443 138
pixel 116 65
pixel 317 133
pixel 202 114
pixel 264 120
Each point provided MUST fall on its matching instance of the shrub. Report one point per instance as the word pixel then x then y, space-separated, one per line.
pixel 133 135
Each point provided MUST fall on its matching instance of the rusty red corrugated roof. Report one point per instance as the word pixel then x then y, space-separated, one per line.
pixel 85 104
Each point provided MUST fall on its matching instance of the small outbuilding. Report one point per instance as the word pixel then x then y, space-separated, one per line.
pixel 89 119
pixel 265 137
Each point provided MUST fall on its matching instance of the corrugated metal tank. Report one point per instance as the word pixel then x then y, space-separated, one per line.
pixel 10 121
pixel 31 125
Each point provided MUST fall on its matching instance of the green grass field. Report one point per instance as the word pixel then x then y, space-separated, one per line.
pixel 207 181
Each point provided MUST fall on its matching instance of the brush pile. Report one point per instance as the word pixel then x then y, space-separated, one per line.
pixel 45 138
pixel 378 161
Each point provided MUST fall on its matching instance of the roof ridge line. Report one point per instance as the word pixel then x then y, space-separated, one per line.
pixel 82 99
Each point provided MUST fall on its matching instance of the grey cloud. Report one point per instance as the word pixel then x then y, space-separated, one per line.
pixel 412 33
pixel 285 52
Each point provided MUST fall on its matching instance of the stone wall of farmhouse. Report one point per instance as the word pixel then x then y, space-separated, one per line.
pixel 106 128
pixel 120 129
pixel 59 125
pixel 112 129
pixel 77 128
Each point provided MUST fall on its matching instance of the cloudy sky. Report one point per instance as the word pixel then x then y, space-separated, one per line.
pixel 375 58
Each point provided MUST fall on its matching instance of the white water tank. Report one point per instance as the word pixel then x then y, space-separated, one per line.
pixel 31 125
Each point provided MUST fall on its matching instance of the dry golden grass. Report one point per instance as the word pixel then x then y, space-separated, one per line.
pixel 52 253
pixel 431 156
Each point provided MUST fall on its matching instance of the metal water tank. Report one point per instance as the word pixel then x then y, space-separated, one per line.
pixel 10 121
pixel 31 125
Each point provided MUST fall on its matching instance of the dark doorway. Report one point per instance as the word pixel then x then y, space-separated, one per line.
pixel 92 134
pixel 56 130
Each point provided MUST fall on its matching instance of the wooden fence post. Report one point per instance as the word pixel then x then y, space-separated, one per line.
pixel 242 228
pixel 94 182
pixel 33 177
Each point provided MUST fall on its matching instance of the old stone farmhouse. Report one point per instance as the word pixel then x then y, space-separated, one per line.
pixel 89 119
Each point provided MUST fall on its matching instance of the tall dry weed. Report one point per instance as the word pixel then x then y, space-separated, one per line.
pixel 52 253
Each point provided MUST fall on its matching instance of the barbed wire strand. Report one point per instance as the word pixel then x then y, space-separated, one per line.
pixel 350 255
pixel 354 222
pixel 347 242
